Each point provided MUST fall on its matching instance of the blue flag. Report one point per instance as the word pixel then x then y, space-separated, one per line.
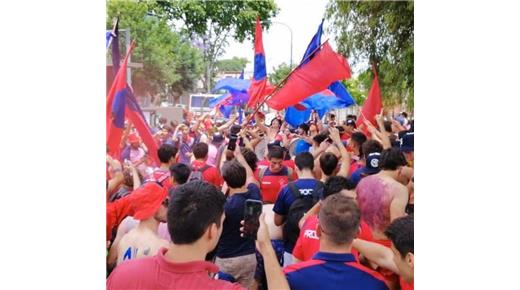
pixel 321 102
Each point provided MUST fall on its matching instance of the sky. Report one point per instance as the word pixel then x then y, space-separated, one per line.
pixel 303 17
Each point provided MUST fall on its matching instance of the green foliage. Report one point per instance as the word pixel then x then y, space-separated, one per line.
pixel 233 64
pixel 209 24
pixel 356 90
pixel 380 33
pixel 169 62
pixel 279 73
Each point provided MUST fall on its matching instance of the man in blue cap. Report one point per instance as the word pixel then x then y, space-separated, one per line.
pixel 406 146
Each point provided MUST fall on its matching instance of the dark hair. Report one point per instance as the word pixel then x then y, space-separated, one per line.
pixel 304 160
pixel 359 138
pixel 304 127
pixel 166 152
pixel 388 126
pixel 335 184
pixel 250 157
pixel 200 150
pixel 129 178
pixel 180 172
pixel 353 117
pixel 328 163
pixel 391 159
pixel 234 174
pixel 404 114
pixel 400 232
pixel 280 122
pixel 370 146
pixel 332 116
pixel 275 152
pixel 193 207
pixel 320 137
pixel 339 218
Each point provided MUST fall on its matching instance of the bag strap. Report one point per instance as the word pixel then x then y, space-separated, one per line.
pixel 261 174
pixel 205 167
pixel 294 189
pixel 289 174
pixel 315 193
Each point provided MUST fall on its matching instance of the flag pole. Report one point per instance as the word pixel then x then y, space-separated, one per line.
pixel 282 82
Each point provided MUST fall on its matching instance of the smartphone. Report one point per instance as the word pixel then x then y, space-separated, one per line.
pixel 252 211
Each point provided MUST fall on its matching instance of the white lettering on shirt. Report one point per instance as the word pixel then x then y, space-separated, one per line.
pixel 306 191
pixel 311 234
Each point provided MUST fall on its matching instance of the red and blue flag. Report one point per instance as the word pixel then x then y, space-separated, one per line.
pixel 259 86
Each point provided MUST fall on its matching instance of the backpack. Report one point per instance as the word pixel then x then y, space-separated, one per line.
pixel 298 208
pixel 196 173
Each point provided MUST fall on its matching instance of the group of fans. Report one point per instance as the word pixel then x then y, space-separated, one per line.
pixel 337 205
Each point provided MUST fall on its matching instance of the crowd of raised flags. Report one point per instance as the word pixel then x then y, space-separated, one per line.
pixel 337 194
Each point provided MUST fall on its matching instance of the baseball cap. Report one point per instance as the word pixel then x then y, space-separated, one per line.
pixel 372 163
pixel 133 138
pixel 147 199
pixel 351 122
pixel 406 142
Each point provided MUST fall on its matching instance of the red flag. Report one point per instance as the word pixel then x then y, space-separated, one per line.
pixel 134 114
pixel 116 101
pixel 315 76
pixel 372 105
pixel 259 87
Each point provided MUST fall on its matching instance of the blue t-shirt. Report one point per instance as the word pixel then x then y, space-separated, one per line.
pixel 231 244
pixel 333 271
pixel 356 175
pixel 286 196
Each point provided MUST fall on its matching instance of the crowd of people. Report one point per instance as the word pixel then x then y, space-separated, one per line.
pixel 337 205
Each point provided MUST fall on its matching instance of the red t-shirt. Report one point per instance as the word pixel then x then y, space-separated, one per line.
pixel 210 175
pixel 162 176
pixel 308 242
pixel 272 183
pixel 158 273
pixel 405 285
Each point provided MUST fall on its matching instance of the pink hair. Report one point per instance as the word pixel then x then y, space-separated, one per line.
pixel 374 199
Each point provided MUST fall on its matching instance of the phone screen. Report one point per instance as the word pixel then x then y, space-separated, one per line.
pixel 252 211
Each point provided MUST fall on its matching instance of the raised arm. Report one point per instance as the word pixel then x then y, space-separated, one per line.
pixel 135 177
pixel 118 177
pixel 249 172
pixel 199 120
pixel 227 124
pixel 275 277
pixel 383 135
pixel 345 157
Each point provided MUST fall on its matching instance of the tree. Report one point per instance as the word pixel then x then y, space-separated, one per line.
pixel 209 24
pixel 170 64
pixel 380 33
pixel 233 64
pixel 279 73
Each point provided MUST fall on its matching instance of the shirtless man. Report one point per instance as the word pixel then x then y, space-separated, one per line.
pixel 381 197
pixel 144 240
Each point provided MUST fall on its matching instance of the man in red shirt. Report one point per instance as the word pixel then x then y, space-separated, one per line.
pixel 354 146
pixel 209 173
pixel 273 177
pixel 195 218
pixel 161 174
